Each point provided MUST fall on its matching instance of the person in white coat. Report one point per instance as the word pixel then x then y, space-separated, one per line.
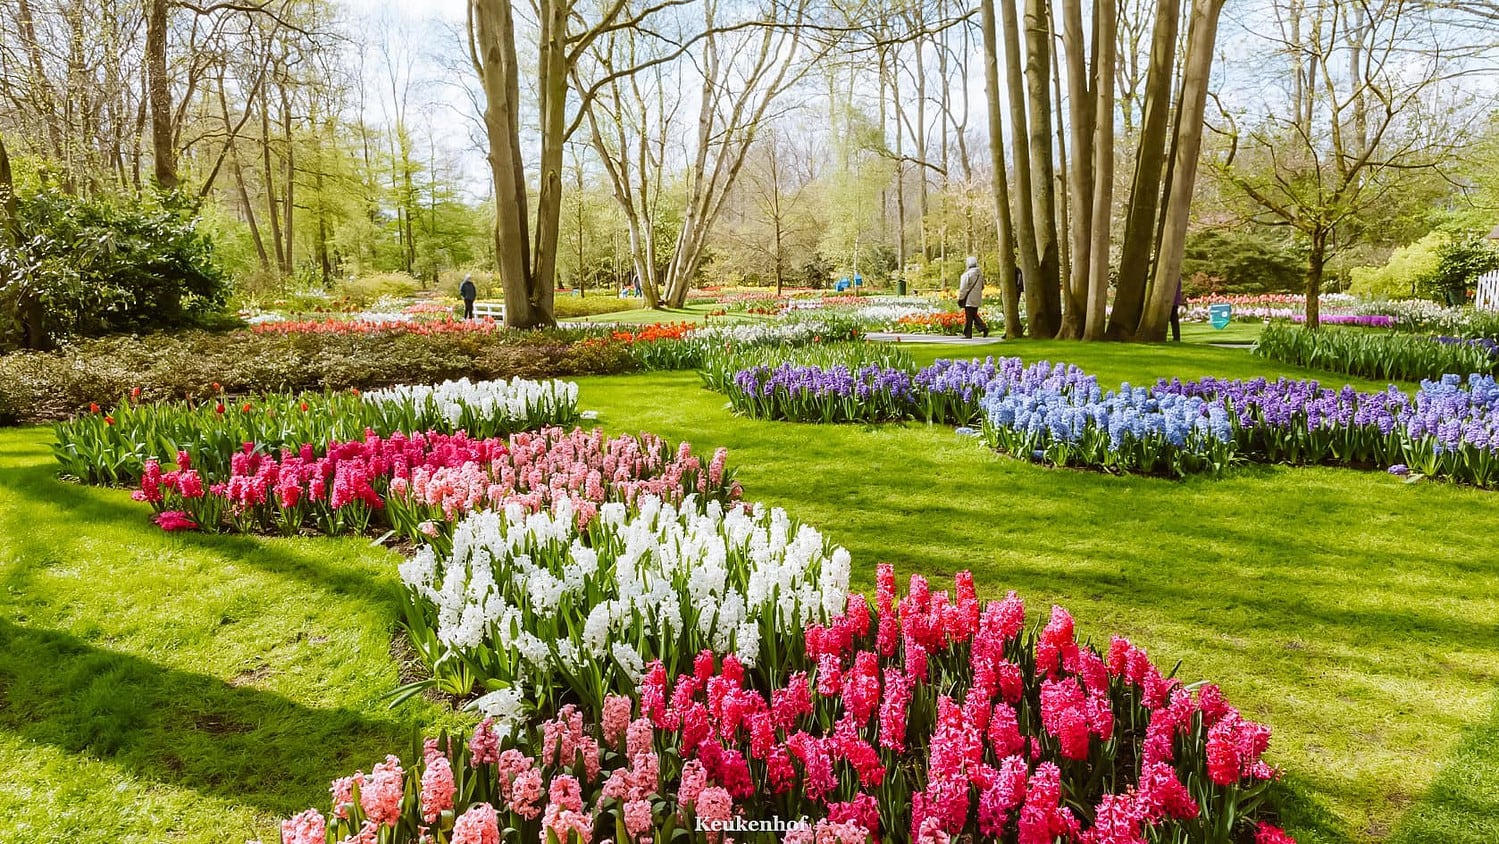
pixel 971 296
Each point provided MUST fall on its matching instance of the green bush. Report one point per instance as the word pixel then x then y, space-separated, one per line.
pixel 39 386
pixel 1240 262
pixel 1371 354
pixel 1464 257
pixel 1403 275
pixel 102 265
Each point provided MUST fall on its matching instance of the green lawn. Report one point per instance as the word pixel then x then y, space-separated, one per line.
pixel 158 687
pixel 162 687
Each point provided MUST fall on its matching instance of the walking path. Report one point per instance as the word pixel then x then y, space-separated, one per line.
pixel 956 340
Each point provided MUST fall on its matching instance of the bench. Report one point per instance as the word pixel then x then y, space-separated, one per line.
pixel 494 310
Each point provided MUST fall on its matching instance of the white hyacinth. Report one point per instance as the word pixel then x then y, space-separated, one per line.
pixel 547 597
pixel 484 405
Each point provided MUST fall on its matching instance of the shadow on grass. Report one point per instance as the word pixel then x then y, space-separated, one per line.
pixel 35 485
pixel 1462 805
pixel 185 730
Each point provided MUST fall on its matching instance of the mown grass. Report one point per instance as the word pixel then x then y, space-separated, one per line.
pixel 159 687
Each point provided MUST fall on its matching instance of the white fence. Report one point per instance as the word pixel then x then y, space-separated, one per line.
pixel 490 309
pixel 1488 291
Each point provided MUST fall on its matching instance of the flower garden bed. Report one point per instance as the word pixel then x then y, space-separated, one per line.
pixel 712 647
pixel 927 717
pixel 112 446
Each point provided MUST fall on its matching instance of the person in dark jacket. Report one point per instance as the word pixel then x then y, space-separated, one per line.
pixel 1176 313
pixel 469 294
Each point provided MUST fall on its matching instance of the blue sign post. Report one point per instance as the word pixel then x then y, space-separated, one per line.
pixel 1221 315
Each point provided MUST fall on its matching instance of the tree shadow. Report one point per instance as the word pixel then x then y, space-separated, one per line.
pixel 178 728
pixel 1462 804
pixel 75 504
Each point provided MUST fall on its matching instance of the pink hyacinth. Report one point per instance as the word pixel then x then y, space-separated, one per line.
pixel 639 737
pixel 175 520
pixel 566 793
pixel 1056 648
pixel 1117 820
pixel 437 788
pixel 638 818
pixel 616 719
pixel 893 710
pixel 484 747
pixel 1042 817
pixel 694 780
pixel 369 833
pixel 829 831
pixel 1162 794
pixel 478 825
pixel 714 809
pixel 342 792
pixel 567 823
pixel 863 810
pixel 306 828
pixel 930 832
pixel 380 796
pixel 1234 748
pixel 526 793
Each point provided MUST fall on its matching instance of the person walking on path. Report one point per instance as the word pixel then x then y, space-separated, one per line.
pixel 970 296
pixel 1176 313
pixel 469 294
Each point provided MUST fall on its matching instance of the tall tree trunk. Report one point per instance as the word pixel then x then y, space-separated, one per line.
pixel 1005 224
pixel 288 204
pixel 29 310
pixel 1044 290
pixel 162 149
pixel 273 215
pixel 1022 199
pixel 1080 171
pixel 1103 171
pixel 552 83
pixel 9 224
pixel 492 37
pixel 1316 261
pixel 1201 36
pixel 1141 222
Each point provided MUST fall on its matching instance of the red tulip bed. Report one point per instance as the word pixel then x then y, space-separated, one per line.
pixel 928 717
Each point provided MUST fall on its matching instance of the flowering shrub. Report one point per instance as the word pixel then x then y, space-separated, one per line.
pixel 1398 357
pixel 1060 415
pixel 416 484
pixel 112 446
pixel 570 603
pixel 928 717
